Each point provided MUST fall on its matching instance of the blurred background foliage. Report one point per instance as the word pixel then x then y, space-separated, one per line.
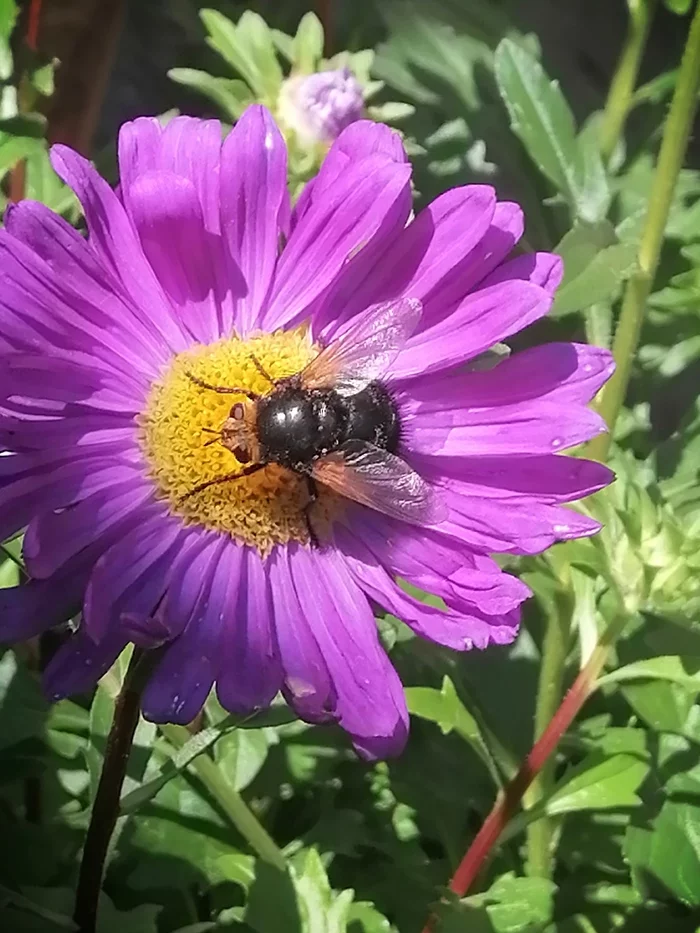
pixel 511 94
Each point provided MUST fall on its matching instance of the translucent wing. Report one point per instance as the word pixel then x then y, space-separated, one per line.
pixel 380 480
pixel 365 350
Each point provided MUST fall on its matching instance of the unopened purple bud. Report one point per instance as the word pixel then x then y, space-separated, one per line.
pixel 319 106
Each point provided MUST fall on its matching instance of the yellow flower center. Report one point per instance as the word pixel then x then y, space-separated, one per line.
pixel 263 509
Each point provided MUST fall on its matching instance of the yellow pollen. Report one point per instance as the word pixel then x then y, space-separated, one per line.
pixel 260 510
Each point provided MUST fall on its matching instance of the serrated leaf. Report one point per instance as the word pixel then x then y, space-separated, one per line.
pixel 599 282
pixel 231 94
pixel 680 670
pixel 307 46
pixel 511 905
pixel 542 119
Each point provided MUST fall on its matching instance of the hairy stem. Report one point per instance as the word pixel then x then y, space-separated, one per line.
pixel 549 691
pixel 624 80
pixel 230 801
pixel 105 809
pixel 673 147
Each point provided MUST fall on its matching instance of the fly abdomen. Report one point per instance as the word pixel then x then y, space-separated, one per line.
pixel 372 416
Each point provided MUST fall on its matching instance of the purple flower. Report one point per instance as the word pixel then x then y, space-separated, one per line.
pixel 182 276
pixel 320 106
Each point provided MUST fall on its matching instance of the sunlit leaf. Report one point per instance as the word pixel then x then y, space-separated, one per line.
pixel 542 119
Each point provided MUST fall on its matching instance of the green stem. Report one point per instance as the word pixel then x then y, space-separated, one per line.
pixel 624 80
pixel 230 801
pixel 673 147
pixel 555 645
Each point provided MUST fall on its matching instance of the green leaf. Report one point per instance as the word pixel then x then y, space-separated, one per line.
pixel 23 708
pixel 680 670
pixel 599 282
pixel 307 47
pixel 231 94
pixel 176 763
pixel 542 119
pixel 249 48
pixel 20 137
pixel 681 7
pixel 663 845
pixel 8 16
pixel 597 784
pixel 445 708
pixel 511 905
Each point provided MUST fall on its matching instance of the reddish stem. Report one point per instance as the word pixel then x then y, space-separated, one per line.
pixel 508 802
pixel 32 35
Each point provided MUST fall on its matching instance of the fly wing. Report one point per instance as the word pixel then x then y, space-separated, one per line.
pixel 365 350
pixel 381 481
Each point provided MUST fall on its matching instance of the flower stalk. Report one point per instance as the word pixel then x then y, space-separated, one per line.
pixel 671 155
pixel 624 80
pixel 105 809
pixel 230 801
pixel 549 692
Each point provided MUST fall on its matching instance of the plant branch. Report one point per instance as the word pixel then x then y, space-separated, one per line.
pixel 624 80
pixel 230 801
pixel 673 148
pixel 105 809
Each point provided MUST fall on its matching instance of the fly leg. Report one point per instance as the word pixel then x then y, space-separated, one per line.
pixel 224 390
pixel 312 490
pixel 228 478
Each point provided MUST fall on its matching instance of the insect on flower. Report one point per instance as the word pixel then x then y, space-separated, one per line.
pixel 334 423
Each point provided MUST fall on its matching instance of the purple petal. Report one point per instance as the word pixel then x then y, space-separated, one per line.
pixel 191 150
pixel 167 214
pixel 38 605
pixel 369 697
pixel 78 665
pixel 130 576
pixel 55 537
pixel 546 477
pixel 307 683
pixel 455 630
pixel 330 232
pixel 438 565
pixel 251 673
pixel 358 141
pixel 41 379
pixel 177 690
pixel 518 527
pixel 568 373
pixel 416 261
pixel 522 428
pixel 484 318
pixel 68 307
pixel 254 206
pixel 40 486
pixel 113 241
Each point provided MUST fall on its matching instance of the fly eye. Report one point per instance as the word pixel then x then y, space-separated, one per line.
pixel 241 454
pixel 238 412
